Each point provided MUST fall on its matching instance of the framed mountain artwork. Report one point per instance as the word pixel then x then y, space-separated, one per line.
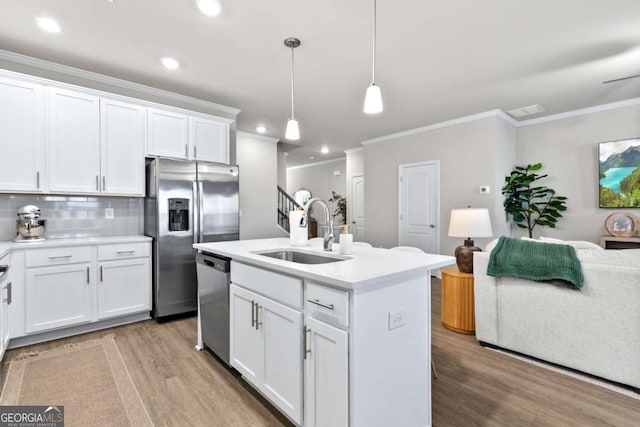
pixel 619 173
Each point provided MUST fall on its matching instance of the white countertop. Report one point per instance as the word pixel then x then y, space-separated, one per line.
pixel 6 247
pixel 365 267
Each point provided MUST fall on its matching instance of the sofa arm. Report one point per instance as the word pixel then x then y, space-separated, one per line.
pixel 485 299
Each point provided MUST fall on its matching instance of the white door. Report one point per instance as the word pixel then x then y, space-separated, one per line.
pixel 22 136
pixel 74 145
pixel 168 134
pixel 57 296
pixel 419 206
pixel 282 380
pixel 122 142
pixel 246 347
pixel 326 378
pixel 209 140
pixel 357 207
pixel 123 287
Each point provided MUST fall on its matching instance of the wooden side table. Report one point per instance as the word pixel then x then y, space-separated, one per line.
pixel 457 310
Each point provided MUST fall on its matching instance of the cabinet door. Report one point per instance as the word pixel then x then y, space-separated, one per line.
pixel 209 140
pixel 282 382
pixel 123 287
pixel 74 145
pixel 168 134
pixel 246 346
pixel 57 296
pixel 22 137
pixel 326 376
pixel 122 141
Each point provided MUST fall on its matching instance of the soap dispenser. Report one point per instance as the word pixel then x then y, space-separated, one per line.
pixel 346 241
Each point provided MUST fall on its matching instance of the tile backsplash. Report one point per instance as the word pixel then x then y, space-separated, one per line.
pixel 75 216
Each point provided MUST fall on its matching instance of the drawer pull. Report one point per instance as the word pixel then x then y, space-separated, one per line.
pixel 253 314
pixel 317 302
pixel 8 298
pixel 60 256
pixel 126 252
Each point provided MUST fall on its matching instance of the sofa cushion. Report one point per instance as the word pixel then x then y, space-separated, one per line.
pixel 578 244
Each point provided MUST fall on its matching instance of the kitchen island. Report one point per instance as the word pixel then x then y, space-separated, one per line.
pixel 340 343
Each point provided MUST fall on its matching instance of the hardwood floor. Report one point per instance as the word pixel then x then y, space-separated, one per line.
pixel 475 387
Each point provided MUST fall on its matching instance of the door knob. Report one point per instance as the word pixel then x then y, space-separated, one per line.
pixel 432 225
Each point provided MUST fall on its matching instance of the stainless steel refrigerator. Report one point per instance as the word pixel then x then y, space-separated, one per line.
pixel 187 202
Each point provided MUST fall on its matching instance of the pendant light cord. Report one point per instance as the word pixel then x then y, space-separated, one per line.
pixel 292 80
pixel 375 19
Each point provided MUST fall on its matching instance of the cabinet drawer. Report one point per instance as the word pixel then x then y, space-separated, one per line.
pixel 279 287
pixel 327 303
pixel 56 256
pixel 122 251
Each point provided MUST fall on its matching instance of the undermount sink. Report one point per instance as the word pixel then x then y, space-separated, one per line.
pixel 300 257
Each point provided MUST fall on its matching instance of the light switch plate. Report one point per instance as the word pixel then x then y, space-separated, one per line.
pixel 109 213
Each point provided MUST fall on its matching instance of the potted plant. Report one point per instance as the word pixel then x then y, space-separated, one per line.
pixel 341 206
pixel 530 204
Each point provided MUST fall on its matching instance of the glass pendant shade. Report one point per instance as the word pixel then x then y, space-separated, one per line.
pixel 293 131
pixel 373 100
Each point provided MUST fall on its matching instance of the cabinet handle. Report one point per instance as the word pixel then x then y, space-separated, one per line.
pixel 101 273
pixel 306 351
pixel 60 256
pixel 97 183
pixel 8 298
pixel 38 180
pixel 186 150
pixel 258 322
pixel 195 152
pixel 104 183
pixel 126 252
pixel 88 275
pixel 253 314
pixel 317 302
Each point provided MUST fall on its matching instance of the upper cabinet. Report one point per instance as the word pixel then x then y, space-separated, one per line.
pixel 22 136
pixel 187 137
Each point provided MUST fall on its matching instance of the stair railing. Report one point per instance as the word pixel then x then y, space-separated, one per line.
pixel 286 203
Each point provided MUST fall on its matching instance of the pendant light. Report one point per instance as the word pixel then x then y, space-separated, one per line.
pixel 373 98
pixel 293 130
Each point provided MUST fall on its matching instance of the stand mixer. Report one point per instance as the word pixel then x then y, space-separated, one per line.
pixel 30 226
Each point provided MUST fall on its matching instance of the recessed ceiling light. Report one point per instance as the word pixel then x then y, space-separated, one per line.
pixel 209 7
pixel 312 157
pixel 324 150
pixel 261 129
pixel 47 24
pixel 170 63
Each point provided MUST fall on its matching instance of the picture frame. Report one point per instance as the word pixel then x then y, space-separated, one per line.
pixel 619 173
pixel 622 224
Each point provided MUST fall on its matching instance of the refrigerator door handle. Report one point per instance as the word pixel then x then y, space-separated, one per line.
pixel 195 220
pixel 200 211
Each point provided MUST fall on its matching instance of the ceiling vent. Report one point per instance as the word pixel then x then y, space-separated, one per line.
pixel 526 111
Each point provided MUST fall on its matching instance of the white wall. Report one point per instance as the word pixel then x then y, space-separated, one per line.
pixel 471 154
pixel 320 180
pixel 568 151
pixel 257 159
pixel 282 166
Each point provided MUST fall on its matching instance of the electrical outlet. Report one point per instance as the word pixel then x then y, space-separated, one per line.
pixel 109 213
pixel 397 319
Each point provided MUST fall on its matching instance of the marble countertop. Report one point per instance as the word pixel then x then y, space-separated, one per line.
pixel 365 267
pixel 6 247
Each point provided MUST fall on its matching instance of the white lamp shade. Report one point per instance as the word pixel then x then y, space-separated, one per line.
pixel 470 223
pixel 373 100
pixel 293 131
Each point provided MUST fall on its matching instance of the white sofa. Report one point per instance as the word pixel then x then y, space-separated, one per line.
pixel 595 330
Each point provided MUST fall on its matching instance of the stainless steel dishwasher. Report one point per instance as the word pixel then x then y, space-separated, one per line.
pixel 213 294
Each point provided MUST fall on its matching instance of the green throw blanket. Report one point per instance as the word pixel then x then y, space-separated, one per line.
pixel 533 260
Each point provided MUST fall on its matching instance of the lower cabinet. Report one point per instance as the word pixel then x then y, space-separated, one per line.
pixel 266 346
pixel 58 296
pixel 123 287
pixel 326 375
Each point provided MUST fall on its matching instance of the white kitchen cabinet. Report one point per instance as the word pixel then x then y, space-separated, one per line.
pixel 22 136
pixel 73 142
pixel 266 346
pixel 58 296
pixel 209 140
pixel 122 148
pixel 123 287
pixel 168 134
pixel 326 375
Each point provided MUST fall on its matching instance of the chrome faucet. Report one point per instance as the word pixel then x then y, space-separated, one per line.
pixel 328 235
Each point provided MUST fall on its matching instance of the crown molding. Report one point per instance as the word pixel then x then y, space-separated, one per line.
pixel 113 81
pixel 454 122
pixel 581 112
pixel 354 150
pixel 308 165
pixel 244 134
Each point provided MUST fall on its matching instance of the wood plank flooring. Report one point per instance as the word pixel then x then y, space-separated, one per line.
pixel 475 387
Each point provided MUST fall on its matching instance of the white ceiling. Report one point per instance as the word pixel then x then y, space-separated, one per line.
pixel 437 60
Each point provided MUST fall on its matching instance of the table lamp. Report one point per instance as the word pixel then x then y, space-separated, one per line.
pixel 468 223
